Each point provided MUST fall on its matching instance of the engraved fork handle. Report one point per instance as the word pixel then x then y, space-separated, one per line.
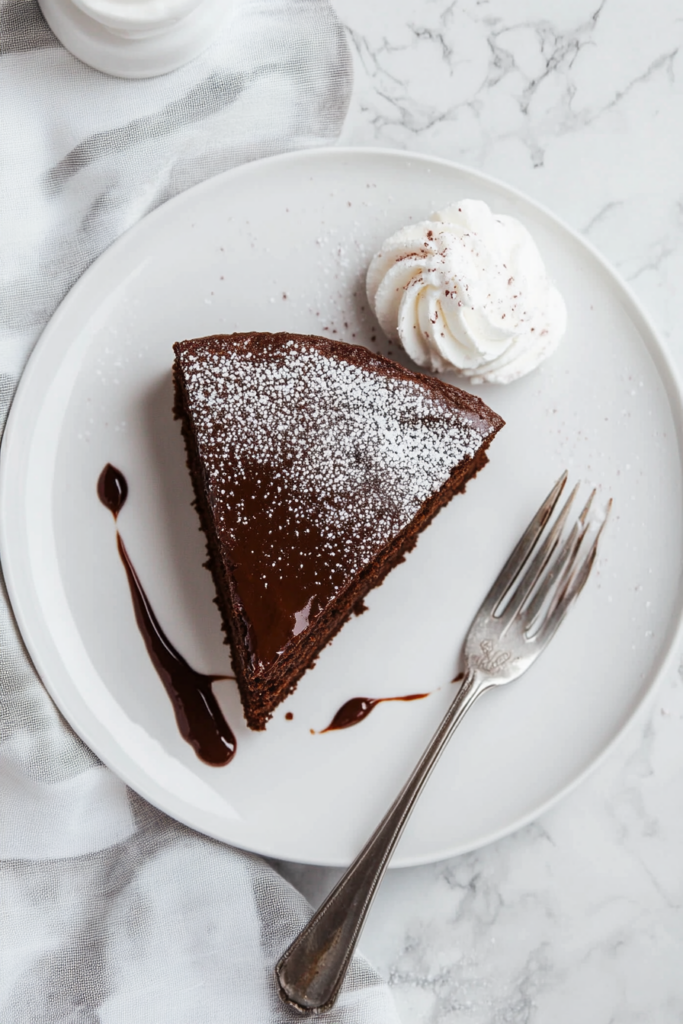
pixel 312 970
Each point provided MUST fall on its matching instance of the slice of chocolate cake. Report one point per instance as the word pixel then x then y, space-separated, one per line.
pixel 315 465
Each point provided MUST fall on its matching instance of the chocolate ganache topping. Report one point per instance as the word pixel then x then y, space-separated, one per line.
pixel 302 502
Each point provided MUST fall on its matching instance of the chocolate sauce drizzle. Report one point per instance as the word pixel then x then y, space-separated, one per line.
pixel 198 714
pixel 358 708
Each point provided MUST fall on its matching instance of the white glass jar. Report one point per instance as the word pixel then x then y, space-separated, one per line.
pixel 135 38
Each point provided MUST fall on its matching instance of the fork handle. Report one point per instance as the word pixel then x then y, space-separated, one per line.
pixel 310 973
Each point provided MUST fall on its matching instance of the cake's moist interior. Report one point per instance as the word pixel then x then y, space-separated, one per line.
pixel 315 466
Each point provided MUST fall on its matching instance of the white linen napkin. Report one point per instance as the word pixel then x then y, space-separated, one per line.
pixel 114 912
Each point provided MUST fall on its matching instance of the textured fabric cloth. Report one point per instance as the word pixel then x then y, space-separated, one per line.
pixel 112 912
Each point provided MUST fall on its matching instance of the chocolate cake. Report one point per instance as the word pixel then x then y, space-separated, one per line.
pixel 315 465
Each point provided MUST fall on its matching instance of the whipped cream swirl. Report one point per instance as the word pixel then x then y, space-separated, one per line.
pixel 467 291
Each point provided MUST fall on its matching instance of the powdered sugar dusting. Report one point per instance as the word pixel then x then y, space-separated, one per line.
pixel 336 452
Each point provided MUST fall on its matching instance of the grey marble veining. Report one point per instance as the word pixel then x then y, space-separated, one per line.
pixel 578 105
pixel 578 917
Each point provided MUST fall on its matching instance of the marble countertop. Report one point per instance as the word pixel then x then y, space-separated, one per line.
pixel 579 916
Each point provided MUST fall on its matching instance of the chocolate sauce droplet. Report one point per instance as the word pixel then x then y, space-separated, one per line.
pixel 358 708
pixel 112 489
pixel 459 678
pixel 200 719
pixel 289 716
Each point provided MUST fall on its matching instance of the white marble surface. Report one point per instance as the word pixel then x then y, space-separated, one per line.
pixel 579 917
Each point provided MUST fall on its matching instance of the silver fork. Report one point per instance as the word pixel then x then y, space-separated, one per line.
pixel 519 616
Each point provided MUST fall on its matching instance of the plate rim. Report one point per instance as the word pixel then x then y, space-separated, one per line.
pixel 19 590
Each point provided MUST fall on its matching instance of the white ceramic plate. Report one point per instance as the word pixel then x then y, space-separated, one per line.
pixel 283 245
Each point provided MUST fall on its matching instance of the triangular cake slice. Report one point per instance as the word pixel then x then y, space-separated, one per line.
pixel 315 465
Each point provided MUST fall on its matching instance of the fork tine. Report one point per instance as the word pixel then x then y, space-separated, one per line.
pixel 570 589
pixel 569 570
pixel 566 555
pixel 564 603
pixel 524 547
pixel 538 564
pixel 587 507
